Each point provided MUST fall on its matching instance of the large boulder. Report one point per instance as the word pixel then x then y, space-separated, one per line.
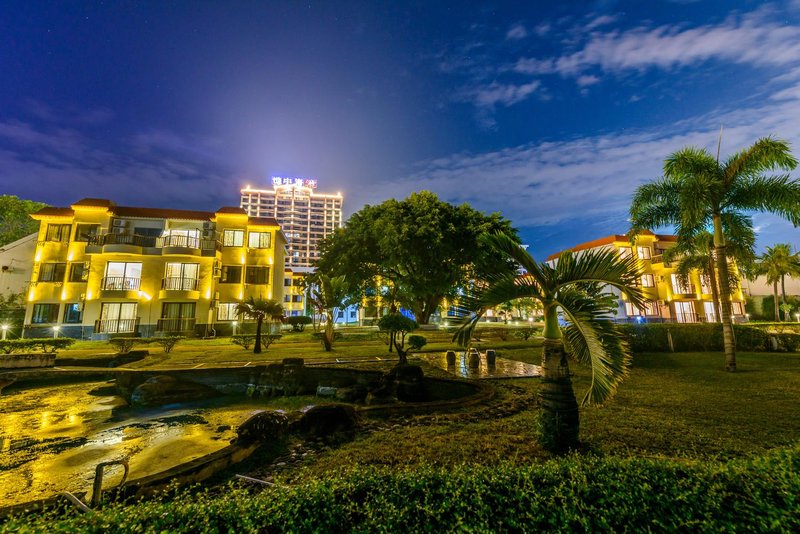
pixel 165 389
pixel 326 420
pixel 264 426
pixel 410 383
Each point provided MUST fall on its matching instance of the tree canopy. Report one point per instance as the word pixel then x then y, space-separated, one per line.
pixel 421 248
pixel 15 220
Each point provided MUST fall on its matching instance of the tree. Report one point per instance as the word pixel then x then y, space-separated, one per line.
pixel 572 288
pixel 398 326
pixel 328 296
pixel 775 264
pixel 698 192
pixel 422 249
pixel 260 309
pixel 15 220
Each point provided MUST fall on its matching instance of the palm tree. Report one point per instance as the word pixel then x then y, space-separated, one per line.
pixel 329 295
pixel 775 264
pixel 260 309
pixel 571 288
pixel 698 192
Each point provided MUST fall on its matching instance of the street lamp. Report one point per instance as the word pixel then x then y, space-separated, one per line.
pixel 55 332
pixel 796 316
pixel 4 328
pixel 234 323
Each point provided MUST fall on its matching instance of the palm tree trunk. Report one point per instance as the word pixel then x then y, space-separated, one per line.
pixel 728 340
pixel 775 297
pixel 712 277
pixel 257 348
pixel 560 421
pixel 328 335
pixel 783 297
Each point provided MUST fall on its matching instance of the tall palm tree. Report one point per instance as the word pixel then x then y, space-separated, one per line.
pixel 328 295
pixel 590 335
pixel 260 309
pixel 776 264
pixel 697 192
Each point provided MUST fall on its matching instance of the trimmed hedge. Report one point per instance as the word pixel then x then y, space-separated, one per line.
pixel 574 494
pixel 46 344
pixel 703 337
pixel 248 340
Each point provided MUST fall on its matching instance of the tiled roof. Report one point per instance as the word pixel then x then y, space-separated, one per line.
pixel 607 240
pixel 266 221
pixel 231 210
pixel 161 213
pixel 53 212
pixel 94 203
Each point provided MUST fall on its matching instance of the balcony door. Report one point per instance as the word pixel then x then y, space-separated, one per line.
pixel 684 312
pixel 710 312
pixel 181 276
pixel 117 317
pixel 122 276
pixel 181 238
pixel 177 317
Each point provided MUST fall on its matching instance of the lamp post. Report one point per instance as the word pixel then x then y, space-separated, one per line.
pixel 4 328
pixel 55 332
pixel 796 316
pixel 234 323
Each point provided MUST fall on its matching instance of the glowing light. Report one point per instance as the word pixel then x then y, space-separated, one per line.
pixel 208 293
pixel 311 183
pixel 38 256
pixel 89 295
pixel 70 256
pixel 241 294
pixel 31 295
pixel 64 294
pixel 4 328
pixel 144 295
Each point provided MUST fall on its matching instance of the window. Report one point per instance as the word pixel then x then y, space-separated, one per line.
pixel 226 311
pixel 116 317
pixel 180 238
pixel 736 308
pixel 148 232
pixel 44 313
pixel 177 310
pixel 58 232
pixel 122 276
pixel 643 252
pixel 651 308
pixel 181 276
pixel 648 280
pixel 625 252
pixel 705 284
pixel 631 310
pixel 233 238
pixel 78 272
pixel 83 232
pixel 257 275
pixel 681 284
pixel 72 313
pixel 684 312
pixel 287 298
pixel 287 282
pixel 297 298
pixel 231 274
pixel 710 312
pixel 52 272
pixel 259 240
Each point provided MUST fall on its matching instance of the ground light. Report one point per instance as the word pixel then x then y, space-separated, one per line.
pixel 234 323
pixel 4 329
pixel 55 332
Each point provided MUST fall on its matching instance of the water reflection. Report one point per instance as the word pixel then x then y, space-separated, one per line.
pixel 503 368
pixel 51 438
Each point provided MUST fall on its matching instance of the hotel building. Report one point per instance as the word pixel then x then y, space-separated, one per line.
pixel 304 215
pixel 101 269
pixel 670 296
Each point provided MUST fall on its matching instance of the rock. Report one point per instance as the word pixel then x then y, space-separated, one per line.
pixel 321 421
pixel 381 395
pixel 267 425
pixel 451 357
pixel 324 391
pixel 410 382
pixel 351 394
pixel 165 389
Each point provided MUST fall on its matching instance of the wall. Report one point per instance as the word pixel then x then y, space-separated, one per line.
pixel 16 264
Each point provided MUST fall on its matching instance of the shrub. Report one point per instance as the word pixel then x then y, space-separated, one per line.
pixel 124 344
pixel 246 340
pixel 299 322
pixel 46 345
pixel 702 337
pixel 416 342
pixel 526 333
pixel 168 342
pixel 321 336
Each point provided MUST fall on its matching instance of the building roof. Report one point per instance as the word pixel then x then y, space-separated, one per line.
pixel 266 221
pixel 231 210
pixel 161 213
pixel 94 203
pixel 609 239
pixel 50 211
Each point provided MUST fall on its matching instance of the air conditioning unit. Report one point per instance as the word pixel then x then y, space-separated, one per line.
pixel 209 234
pixel 119 230
pixel 120 223
pixel 208 225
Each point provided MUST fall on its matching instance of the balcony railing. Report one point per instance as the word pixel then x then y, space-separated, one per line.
pixel 121 283
pixel 178 283
pixel 122 239
pixel 183 241
pixel 180 324
pixel 116 326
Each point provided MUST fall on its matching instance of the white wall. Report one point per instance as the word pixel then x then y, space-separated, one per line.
pixel 760 286
pixel 16 265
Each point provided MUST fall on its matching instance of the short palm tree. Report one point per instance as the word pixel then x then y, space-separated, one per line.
pixel 697 192
pixel 260 309
pixel 590 335
pixel 776 264
pixel 328 295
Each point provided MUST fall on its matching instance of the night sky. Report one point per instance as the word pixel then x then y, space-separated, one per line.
pixel 550 112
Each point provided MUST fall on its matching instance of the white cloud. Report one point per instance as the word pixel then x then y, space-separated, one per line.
pixel 494 94
pixel 516 32
pixel 586 80
pixel 602 20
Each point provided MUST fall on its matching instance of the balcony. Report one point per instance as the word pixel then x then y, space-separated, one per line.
pixel 120 287
pixel 116 326
pixel 179 287
pixel 124 243
pixel 183 244
pixel 139 244
pixel 179 325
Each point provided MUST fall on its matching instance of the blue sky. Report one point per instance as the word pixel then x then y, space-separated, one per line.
pixel 551 113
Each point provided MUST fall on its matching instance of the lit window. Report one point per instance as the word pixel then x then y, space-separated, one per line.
pixel 259 240
pixel 648 280
pixel 625 253
pixel 233 238
pixel 680 284
pixel 643 252
pixel 44 313
pixel 72 313
pixel 226 311
pixel 52 272
pixel 58 232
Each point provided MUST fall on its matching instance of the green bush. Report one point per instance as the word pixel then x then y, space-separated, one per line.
pixel 299 322
pixel 168 342
pixel 698 337
pixel 46 345
pixel 527 332
pixel 124 344
pixel 247 340
pixel 416 342
pixel 574 494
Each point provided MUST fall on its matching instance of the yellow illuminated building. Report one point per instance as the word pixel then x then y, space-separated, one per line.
pixel 671 297
pixel 294 296
pixel 101 269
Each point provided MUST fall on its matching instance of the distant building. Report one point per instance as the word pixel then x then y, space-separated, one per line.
pixel 304 215
pixel 100 269
pixel 294 295
pixel 670 297
pixel 16 264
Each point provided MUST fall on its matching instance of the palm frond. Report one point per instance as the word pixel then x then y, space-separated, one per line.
pixel 510 248
pixel 592 339
pixel 775 194
pixel 604 266
pixel 654 205
pixel 690 161
pixel 765 155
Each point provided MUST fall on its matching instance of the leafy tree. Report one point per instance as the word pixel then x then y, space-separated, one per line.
pixel 260 309
pixel 421 248
pixel 775 264
pixel 299 322
pixel 328 296
pixel 15 220
pixel 570 288
pixel 698 192
pixel 398 326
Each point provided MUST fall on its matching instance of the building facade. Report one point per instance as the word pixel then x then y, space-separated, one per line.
pixel 670 296
pixel 304 215
pixel 16 264
pixel 100 269
pixel 294 294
